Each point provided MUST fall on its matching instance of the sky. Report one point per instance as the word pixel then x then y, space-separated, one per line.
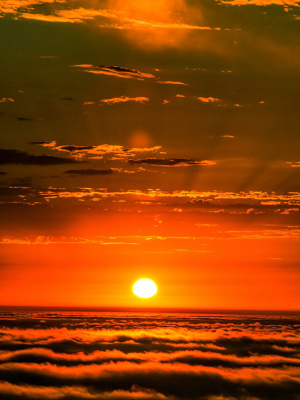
pixel 150 139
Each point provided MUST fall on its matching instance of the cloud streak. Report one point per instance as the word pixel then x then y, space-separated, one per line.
pixel 11 156
pixel 91 172
pixel 119 72
pixel 262 3
pixel 172 83
pixel 118 16
pixel 176 162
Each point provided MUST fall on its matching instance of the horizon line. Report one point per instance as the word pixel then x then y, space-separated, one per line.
pixel 152 310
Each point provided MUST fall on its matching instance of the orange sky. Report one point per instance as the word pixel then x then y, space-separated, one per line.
pixel 150 139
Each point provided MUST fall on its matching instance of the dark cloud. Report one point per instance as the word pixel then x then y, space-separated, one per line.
pixel 10 156
pixel 40 143
pixel 23 119
pixel 3 173
pixel 12 191
pixel 120 72
pixel 182 381
pixel 119 69
pixel 23 182
pixel 176 162
pixel 90 171
pixel 71 148
pixel 67 98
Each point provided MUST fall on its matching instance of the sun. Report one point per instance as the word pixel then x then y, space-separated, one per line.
pixel 144 288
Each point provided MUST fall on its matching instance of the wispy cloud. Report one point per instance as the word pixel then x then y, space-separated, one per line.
pixel 50 240
pixel 176 162
pixel 208 99
pixel 295 164
pixel 92 172
pixel 127 73
pixel 120 72
pixel 172 83
pixel 95 172
pixel 284 3
pixel 6 99
pixel 125 99
pixel 117 17
pixel 48 18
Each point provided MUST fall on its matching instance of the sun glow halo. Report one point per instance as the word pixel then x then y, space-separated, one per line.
pixel 144 288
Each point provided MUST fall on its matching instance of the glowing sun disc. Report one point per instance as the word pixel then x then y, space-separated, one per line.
pixel 144 288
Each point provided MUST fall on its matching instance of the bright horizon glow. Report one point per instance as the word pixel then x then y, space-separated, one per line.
pixel 144 288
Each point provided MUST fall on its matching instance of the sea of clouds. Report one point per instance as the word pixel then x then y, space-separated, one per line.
pixel 165 356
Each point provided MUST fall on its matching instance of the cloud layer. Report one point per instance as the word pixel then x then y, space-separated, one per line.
pixel 79 355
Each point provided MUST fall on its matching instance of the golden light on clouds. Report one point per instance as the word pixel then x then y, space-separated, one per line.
pixel 154 19
pixel 151 23
pixel 159 10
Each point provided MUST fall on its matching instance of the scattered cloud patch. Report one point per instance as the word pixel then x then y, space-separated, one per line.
pixel 119 152
pixel 6 99
pixel 208 99
pixel 295 164
pixel 48 17
pixel 263 3
pixel 125 99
